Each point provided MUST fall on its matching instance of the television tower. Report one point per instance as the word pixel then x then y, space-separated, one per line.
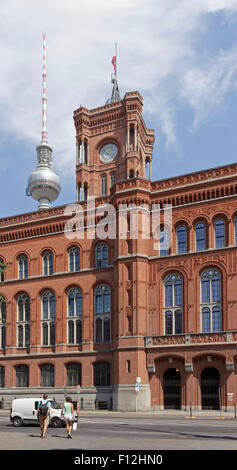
pixel 43 183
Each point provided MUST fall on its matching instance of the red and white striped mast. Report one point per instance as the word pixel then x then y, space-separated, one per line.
pixel 44 99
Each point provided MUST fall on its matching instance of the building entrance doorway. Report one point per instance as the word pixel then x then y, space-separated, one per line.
pixel 172 389
pixel 210 388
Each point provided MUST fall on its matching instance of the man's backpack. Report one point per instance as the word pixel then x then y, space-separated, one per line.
pixel 43 409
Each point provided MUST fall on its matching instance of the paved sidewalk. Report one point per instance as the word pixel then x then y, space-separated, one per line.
pixel 210 414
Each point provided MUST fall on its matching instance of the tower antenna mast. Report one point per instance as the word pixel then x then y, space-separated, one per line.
pixel 44 99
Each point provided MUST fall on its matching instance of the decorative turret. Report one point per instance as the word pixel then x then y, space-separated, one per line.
pixel 43 183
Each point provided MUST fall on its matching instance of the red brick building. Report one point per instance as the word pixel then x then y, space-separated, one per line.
pixel 102 312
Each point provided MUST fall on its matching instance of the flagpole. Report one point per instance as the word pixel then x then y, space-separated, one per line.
pixel 116 59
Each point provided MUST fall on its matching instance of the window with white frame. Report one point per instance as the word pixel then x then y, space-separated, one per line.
pixel 173 304
pixel 165 237
pixel 219 233
pixel 200 234
pixel 47 262
pixel 104 185
pixel 211 301
pixel 182 239
pixel 102 313
pixel 23 321
pixel 102 255
pixel 48 318
pixel 74 315
pixel 2 323
pixel 74 259
pixel 22 267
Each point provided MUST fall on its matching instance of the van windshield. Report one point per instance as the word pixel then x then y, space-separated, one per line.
pixel 55 405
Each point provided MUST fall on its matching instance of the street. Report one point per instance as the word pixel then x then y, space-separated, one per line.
pixel 121 431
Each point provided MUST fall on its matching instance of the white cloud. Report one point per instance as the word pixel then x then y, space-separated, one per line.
pixel 157 54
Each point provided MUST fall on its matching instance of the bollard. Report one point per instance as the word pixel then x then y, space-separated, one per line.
pixel 190 412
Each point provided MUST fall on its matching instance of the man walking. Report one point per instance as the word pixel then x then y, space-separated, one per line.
pixel 43 412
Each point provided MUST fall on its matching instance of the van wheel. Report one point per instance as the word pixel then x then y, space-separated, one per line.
pixel 17 421
pixel 56 422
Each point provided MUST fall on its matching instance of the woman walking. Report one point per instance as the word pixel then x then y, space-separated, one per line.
pixel 69 415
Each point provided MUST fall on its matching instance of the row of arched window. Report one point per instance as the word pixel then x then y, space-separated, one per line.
pixel 173 311
pixel 47 375
pixel 102 317
pixel 201 237
pixel 101 261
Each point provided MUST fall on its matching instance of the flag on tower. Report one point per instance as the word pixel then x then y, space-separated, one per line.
pixel 114 63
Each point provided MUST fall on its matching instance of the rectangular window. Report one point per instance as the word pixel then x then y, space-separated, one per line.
pixel 216 289
pixel 168 294
pixel 178 293
pixel 205 290
pixel 168 323
pixel 206 326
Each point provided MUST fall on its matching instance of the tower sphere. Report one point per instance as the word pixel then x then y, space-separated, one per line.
pixel 43 183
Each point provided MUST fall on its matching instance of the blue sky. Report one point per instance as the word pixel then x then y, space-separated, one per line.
pixel 181 55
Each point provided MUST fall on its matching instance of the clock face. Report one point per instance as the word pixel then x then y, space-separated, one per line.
pixel 108 152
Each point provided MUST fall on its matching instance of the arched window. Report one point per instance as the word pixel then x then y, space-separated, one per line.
pixel 235 223
pixel 112 178
pixel 220 233
pixel 148 169
pixel 23 321
pixel 2 376
pixel 48 318
pixel 22 376
pixel 74 315
pixel 47 259
pixel 22 267
pixel 74 259
pixel 73 374
pixel 181 234
pixel 104 185
pixel 164 241
pixel 211 301
pixel 2 323
pixel 200 232
pixel 101 374
pixel 102 255
pixel 47 375
pixel 173 304
pixel 102 312
pixel 2 270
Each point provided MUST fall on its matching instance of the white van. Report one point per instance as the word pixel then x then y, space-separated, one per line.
pixel 24 410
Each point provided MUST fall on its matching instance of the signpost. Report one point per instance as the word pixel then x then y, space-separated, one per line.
pixel 138 381
pixel 78 393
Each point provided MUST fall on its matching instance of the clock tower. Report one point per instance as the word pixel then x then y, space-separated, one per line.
pixel 112 144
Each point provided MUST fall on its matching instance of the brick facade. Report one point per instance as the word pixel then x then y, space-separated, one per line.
pixel 168 318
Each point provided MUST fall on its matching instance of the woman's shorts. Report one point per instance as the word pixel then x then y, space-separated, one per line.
pixel 68 417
